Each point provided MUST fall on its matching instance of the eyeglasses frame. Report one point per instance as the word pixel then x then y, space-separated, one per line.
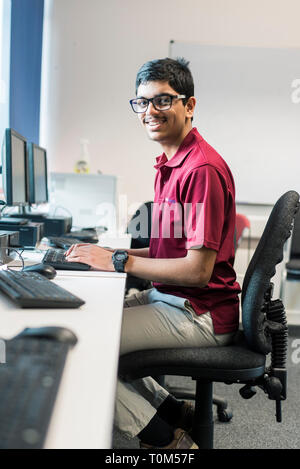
pixel 172 96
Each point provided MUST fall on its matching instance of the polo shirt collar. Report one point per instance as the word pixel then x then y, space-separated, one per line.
pixel 182 152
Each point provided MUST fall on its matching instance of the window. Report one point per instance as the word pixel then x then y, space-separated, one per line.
pixel 25 67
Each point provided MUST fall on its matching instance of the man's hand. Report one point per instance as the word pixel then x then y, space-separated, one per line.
pixel 95 256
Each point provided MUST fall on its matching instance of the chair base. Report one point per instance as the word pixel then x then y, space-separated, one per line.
pixel 224 414
pixel 203 426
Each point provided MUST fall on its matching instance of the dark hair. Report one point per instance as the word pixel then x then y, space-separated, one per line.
pixel 175 72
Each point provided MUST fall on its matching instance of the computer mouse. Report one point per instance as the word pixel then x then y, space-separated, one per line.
pixel 44 269
pixel 61 334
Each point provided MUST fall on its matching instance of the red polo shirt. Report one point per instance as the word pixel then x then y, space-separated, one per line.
pixel 194 206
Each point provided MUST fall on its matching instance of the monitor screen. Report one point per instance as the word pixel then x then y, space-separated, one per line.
pixel 37 174
pixel 14 168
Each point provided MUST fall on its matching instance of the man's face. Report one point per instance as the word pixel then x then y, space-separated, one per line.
pixel 165 127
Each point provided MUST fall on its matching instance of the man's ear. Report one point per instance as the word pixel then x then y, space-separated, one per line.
pixel 190 106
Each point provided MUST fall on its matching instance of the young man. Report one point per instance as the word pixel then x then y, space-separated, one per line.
pixel 194 299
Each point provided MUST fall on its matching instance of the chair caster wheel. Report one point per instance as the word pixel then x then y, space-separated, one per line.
pixel 225 415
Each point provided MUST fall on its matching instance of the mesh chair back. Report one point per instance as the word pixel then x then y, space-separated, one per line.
pixel 140 226
pixel 262 268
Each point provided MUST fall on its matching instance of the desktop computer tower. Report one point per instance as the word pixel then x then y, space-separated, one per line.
pixel 57 226
pixel 53 226
pixel 29 233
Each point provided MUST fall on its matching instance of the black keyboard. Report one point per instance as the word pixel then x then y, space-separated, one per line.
pixel 33 290
pixel 62 242
pixel 85 236
pixel 56 258
pixel 29 381
pixel 13 221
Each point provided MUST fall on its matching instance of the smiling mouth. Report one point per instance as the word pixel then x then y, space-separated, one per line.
pixel 154 124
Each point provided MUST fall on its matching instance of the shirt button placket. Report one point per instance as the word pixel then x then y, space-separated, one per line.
pixel 164 174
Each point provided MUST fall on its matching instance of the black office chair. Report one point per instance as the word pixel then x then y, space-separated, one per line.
pixel 140 229
pixel 264 332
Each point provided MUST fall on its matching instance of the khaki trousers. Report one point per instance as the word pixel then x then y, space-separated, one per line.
pixel 156 320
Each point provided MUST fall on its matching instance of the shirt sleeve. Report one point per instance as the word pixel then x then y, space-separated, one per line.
pixel 203 196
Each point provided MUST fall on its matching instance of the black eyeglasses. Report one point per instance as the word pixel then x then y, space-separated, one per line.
pixel 162 102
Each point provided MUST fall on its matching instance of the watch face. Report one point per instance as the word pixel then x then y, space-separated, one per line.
pixel 119 257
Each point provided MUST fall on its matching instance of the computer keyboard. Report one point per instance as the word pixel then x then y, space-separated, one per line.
pixel 56 258
pixel 13 221
pixel 63 242
pixel 29 382
pixel 33 290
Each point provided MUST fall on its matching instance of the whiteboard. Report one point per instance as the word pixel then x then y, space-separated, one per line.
pixel 248 109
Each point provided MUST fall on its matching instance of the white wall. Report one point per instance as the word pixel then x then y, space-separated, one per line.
pixel 94 50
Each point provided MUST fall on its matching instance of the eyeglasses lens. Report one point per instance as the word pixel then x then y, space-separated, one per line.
pixel 163 102
pixel 140 105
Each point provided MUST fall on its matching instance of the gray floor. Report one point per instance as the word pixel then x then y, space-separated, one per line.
pixel 253 424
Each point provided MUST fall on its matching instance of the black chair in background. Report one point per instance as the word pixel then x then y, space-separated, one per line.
pixel 140 229
pixel 264 332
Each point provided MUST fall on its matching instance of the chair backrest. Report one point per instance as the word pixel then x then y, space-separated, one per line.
pixel 140 226
pixel 262 268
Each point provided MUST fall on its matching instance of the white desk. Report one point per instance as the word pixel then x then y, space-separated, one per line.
pixel 83 413
pixel 84 408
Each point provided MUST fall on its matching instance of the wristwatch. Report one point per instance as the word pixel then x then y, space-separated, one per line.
pixel 119 259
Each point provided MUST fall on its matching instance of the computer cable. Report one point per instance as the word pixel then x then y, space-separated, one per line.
pixel 8 248
pixel 3 203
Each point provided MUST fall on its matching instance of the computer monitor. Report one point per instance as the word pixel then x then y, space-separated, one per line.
pixel 14 169
pixel 37 174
